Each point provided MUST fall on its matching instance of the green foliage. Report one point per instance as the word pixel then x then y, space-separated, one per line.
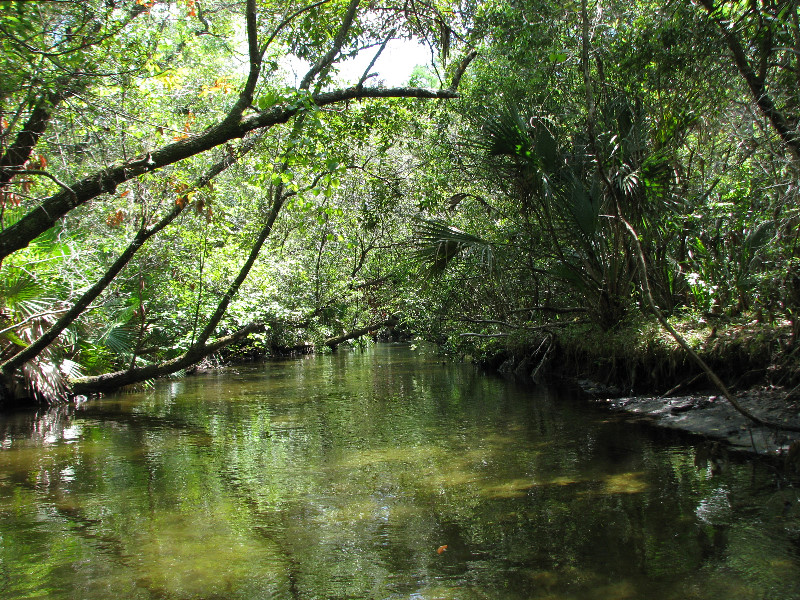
pixel 494 215
pixel 672 152
pixel 25 313
pixel 440 244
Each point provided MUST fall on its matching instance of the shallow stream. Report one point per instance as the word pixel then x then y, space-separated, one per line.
pixel 377 475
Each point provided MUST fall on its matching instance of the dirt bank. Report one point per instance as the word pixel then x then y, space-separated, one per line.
pixel 637 370
pixel 712 417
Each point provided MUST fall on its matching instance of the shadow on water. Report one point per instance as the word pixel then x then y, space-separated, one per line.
pixel 382 474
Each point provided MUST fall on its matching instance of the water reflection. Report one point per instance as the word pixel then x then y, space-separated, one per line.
pixel 345 476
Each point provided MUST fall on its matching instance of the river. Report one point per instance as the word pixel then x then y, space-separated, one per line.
pixel 382 474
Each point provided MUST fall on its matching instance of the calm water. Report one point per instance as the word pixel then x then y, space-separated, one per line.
pixel 345 476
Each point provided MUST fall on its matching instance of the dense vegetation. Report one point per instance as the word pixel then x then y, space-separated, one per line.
pixel 183 177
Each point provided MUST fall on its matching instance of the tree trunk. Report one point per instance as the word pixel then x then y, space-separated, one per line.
pixel 109 382
pixel 355 333
pixel 20 151
pixel 34 349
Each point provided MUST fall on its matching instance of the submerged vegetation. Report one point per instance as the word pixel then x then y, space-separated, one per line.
pixel 186 179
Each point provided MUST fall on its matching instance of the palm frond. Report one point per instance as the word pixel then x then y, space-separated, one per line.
pixel 506 134
pixel 759 237
pixel 22 293
pixel 44 381
pixel 120 339
pixel 440 244
pixel 583 205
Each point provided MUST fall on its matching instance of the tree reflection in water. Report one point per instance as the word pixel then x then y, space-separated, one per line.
pixel 343 476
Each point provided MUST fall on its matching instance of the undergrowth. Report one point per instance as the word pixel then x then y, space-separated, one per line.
pixel 639 356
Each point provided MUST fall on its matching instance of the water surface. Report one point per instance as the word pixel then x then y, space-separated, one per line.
pixel 376 475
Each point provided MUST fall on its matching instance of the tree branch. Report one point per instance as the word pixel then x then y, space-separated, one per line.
pixel 20 151
pixel 35 348
pixel 461 69
pixel 756 84
pixel 355 333
pixel 325 61
pixel 547 308
pixel 256 56
pixel 46 174
pixel 111 381
pixel 366 74
pixel 51 209
pixel 483 335
pixel 289 19
pixel 32 318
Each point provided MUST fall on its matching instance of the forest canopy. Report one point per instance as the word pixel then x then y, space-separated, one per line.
pixel 184 178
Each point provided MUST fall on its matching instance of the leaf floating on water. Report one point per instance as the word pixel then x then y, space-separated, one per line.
pixel 441 549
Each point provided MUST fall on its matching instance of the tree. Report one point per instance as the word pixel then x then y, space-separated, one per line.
pixel 763 38
pixel 633 114
pixel 260 105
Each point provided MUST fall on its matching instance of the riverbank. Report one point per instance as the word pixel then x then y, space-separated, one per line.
pixel 639 371
pixel 714 418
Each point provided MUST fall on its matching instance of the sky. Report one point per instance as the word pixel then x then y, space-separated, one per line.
pixel 394 65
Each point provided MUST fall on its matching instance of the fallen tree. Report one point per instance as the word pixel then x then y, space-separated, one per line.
pixel 109 382
pixel 333 342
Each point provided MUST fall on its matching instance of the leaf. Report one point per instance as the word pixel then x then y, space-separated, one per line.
pixel 506 134
pixel 439 245
pixel 583 205
pixel 546 147
pixel 760 236
pixel 115 219
pixel 120 339
pixel 22 293
pixel 70 369
pixel 441 549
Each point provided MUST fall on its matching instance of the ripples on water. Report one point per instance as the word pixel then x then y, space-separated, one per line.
pixel 382 474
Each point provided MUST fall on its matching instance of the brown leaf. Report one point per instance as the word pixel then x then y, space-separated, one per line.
pixel 115 219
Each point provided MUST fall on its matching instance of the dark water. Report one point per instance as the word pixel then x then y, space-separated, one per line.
pixel 345 476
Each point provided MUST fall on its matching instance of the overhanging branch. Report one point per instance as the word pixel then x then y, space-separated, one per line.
pixel 113 381
pixel 356 333
pixel 51 209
